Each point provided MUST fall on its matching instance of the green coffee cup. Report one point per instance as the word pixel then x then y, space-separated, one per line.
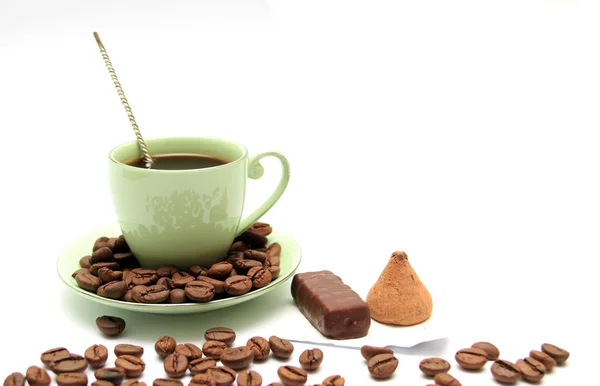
pixel 186 217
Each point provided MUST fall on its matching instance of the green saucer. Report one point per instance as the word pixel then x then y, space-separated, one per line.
pixel 68 262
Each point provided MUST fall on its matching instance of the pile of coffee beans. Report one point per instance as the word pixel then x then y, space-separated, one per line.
pixel 531 368
pixel 112 271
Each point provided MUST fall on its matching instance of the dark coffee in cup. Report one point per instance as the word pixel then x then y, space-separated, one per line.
pixel 185 161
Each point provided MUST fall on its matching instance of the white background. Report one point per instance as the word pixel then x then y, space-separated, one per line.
pixel 463 132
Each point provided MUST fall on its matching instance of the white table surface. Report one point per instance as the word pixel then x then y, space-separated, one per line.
pixel 463 132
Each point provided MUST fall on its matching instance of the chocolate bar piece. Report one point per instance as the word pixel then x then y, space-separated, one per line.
pixel 331 306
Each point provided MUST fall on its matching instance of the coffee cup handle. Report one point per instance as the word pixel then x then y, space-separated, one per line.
pixel 256 171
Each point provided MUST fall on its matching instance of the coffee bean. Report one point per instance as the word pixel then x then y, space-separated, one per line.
pixel 274 249
pixel 153 294
pixel 249 378
pixel 53 354
pixel 197 270
pixel 243 265
pixel 112 290
pixel 311 359
pixel 177 296
pixel 85 262
pixel 275 271
pixel 202 380
pixel 165 345
pixel 144 276
pixel 220 270
pixel 260 347
pixel 382 366
pixel 505 371
pixel 471 358
pixel 72 364
pixel 546 359
pixel 120 245
pixel 114 375
pixel 181 279
pixel 199 291
pixel 221 334
pixel 133 366
pixel 238 246
pixel 166 282
pixel 237 358
pixel 261 228
pixel 433 366
pixel 107 275
pixel 445 379
pixel 36 376
pixel 213 349
pixel 219 285
pixel 103 242
pixel 166 382
pixel 96 355
pixel 531 370
pixel 253 254
pixel 223 375
pixel 101 383
pixel 491 351
pixel 110 325
pixel 126 258
pixel 14 379
pixel 334 380
pixel 166 271
pixel 128 297
pixel 272 261
pixel 80 270
pixel 281 348
pixel 253 240
pixel 261 278
pixel 292 375
pixel 72 379
pixel 102 255
pixel 189 350
pixel 133 382
pixel 88 281
pixel 369 352
pixel 560 355
pixel 200 365
pixel 175 365
pixel 111 265
pixel 129 349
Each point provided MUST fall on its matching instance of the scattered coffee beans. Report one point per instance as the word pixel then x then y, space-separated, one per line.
pixel 369 352
pixel 558 354
pixel 433 366
pixel 249 378
pixel 311 359
pixel 133 366
pixel 189 350
pixel 14 379
pixel 505 371
pixel 260 347
pixel 471 358
pixel 334 380
pixel 110 325
pixel 531 370
pixel 546 359
pixel 175 365
pixel 165 345
pixel 292 375
pixel 491 351
pixel 112 271
pixel 96 355
pixel 72 379
pixel 445 379
pixel 129 349
pixel 382 366
pixel 221 334
pixel 281 348
pixel 237 358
